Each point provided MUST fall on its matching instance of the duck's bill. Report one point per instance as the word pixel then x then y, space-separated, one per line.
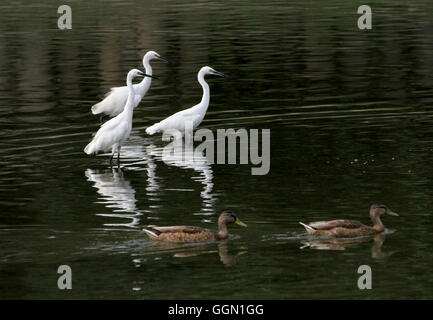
pixel 219 74
pixel 165 59
pixel 239 222
pixel 392 213
pixel 147 75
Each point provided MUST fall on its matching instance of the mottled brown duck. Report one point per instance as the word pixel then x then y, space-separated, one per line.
pixel 183 234
pixel 349 228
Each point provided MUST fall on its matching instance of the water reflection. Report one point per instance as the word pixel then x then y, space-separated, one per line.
pixel 189 160
pixel 193 250
pixel 116 194
pixel 225 257
pixel 341 244
pixel 330 94
pixel 140 158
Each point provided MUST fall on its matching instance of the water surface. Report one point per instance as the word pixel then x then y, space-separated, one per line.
pixel 351 120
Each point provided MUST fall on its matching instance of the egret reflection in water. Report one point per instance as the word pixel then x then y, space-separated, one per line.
pixel 185 159
pixel 116 194
pixel 140 158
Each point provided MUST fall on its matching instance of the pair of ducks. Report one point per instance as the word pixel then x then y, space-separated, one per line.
pixel 334 228
pixel 120 102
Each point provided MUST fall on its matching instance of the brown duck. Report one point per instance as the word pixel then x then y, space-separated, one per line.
pixel 349 228
pixel 194 234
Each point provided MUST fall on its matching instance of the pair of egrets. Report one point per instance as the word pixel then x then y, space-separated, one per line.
pixel 120 102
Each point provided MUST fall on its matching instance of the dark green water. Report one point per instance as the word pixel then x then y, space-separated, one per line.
pixel 351 120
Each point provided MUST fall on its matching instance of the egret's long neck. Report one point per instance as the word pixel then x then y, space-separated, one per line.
pixel 206 94
pixel 145 83
pixel 147 66
pixel 129 107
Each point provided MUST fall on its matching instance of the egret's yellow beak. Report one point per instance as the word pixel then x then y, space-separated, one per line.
pixel 239 222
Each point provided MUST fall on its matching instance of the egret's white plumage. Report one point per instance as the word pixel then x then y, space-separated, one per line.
pixel 114 132
pixel 193 115
pixel 115 100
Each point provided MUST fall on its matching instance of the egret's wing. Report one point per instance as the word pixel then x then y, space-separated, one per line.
pixel 190 118
pixel 179 120
pixel 115 100
pixel 113 90
pixel 110 131
pixel 185 229
pixel 110 124
pixel 110 92
pixel 325 225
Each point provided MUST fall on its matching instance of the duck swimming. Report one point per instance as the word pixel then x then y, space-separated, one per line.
pixel 349 228
pixel 183 234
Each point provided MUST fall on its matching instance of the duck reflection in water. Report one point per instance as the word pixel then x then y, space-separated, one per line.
pixel 116 194
pixel 341 244
pixel 227 258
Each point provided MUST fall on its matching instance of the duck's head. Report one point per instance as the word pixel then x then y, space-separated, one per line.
pixel 228 217
pixel 380 209
pixel 151 55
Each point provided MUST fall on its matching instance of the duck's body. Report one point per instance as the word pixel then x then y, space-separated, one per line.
pixel 349 228
pixel 185 234
pixel 115 100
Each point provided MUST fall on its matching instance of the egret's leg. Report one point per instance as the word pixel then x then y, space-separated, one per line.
pixel 118 156
pixel 112 155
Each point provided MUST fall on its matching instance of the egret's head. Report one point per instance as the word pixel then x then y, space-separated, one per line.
pixel 380 209
pixel 228 217
pixel 137 73
pixel 150 55
pixel 209 70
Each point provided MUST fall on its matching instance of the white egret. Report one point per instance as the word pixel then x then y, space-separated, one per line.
pixel 115 100
pixel 114 132
pixel 193 115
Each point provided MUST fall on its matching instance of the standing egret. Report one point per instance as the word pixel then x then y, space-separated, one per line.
pixel 115 100
pixel 193 115
pixel 115 131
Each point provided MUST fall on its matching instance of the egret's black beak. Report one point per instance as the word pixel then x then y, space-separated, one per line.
pixel 165 59
pixel 219 74
pixel 142 74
